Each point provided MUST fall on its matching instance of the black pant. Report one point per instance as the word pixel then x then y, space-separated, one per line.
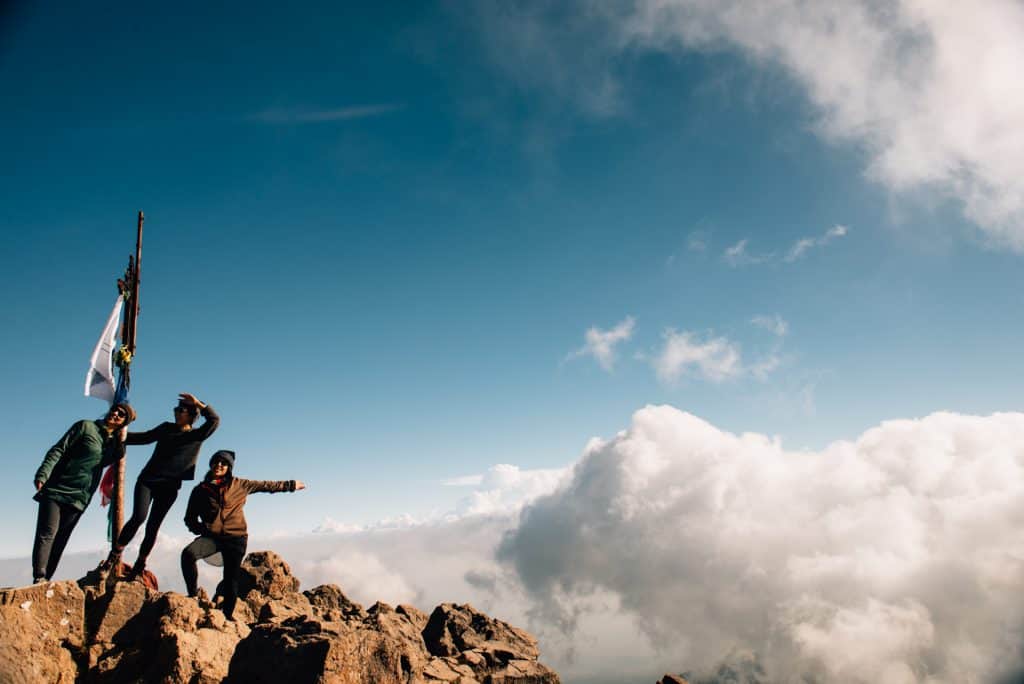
pixel 161 497
pixel 232 549
pixel 54 525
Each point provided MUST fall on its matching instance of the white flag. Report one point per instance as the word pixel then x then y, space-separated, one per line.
pixel 99 381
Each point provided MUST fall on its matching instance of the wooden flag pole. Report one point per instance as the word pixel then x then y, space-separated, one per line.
pixel 128 339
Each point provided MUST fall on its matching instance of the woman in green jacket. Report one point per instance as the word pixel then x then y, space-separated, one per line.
pixel 67 479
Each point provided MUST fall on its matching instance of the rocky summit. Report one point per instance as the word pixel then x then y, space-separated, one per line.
pixel 97 630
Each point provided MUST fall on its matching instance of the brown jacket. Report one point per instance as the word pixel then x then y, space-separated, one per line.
pixel 217 511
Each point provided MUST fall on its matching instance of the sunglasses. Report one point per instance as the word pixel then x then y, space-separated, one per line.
pixel 182 409
pixel 118 413
pixel 218 464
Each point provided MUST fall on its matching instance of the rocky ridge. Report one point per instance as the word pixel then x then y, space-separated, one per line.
pixel 114 632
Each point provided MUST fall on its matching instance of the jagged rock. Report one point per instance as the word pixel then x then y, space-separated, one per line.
pixel 330 604
pixel 447 670
pixel 672 679
pixel 41 628
pixel 402 633
pixel 201 656
pixel 109 632
pixel 415 615
pixel 523 672
pixel 453 629
pixel 279 610
pixel 173 638
pixel 110 614
pixel 305 650
pixel 268 574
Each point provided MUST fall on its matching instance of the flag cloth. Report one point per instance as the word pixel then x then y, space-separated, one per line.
pixel 99 381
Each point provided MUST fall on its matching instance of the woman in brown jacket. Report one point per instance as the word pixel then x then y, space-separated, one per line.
pixel 215 514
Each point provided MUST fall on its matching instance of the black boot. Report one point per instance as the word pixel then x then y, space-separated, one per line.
pixel 113 561
pixel 137 569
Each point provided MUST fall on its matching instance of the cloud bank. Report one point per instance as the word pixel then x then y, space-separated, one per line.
pixel 898 557
pixel 895 557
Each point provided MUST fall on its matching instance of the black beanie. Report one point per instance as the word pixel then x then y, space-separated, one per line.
pixel 224 455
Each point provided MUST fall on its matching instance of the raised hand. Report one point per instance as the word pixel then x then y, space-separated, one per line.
pixel 191 399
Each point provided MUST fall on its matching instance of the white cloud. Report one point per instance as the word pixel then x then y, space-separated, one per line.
pixel 897 557
pixel 506 488
pixel 698 241
pixel 929 91
pixel 803 245
pixel 774 324
pixel 304 115
pixel 715 359
pixel 737 255
pixel 601 344
pixel 363 575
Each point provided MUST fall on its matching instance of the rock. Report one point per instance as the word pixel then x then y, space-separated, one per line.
pixel 448 670
pixel 523 672
pixel 401 633
pixel 201 656
pixel 109 632
pixel 330 603
pixel 268 574
pixel 41 629
pixel 278 610
pixel 415 615
pixel 672 679
pixel 452 629
pixel 496 652
pixel 116 615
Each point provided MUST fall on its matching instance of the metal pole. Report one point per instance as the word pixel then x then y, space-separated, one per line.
pixel 131 327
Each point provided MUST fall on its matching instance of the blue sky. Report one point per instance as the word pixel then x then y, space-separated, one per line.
pixel 376 237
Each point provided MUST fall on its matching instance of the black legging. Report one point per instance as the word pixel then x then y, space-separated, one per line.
pixel 162 497
pixel 54 525
pixel 233 551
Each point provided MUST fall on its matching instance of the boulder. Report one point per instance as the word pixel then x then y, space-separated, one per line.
pixel 453 629
pixel 415 615
pixel 329 603
pixel 447 670
pixel 42 628
pixel 267 574
pixel 280 609
pixel 109 615
pixel 672 679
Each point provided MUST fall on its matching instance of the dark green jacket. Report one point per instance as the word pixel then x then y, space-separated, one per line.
pixel 72 468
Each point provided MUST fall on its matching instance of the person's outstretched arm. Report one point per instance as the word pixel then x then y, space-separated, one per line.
pixel 271 486
pixel 147 437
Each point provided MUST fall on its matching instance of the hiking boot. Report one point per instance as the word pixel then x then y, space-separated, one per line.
pixel 137 570
pixel 113 561
pixel 202 598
